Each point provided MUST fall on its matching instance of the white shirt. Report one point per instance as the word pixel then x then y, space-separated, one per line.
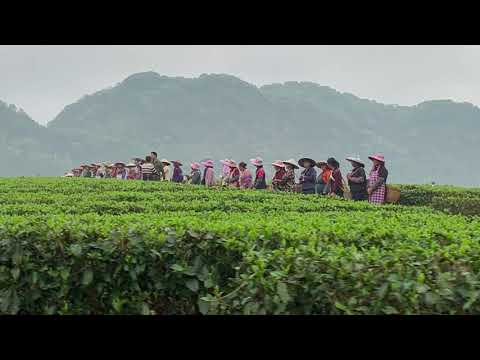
pixel 166 170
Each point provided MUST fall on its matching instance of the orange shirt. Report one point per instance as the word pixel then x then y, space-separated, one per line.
pixel 326 175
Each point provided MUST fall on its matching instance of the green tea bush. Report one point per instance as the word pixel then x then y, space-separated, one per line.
pixel 232 264
pixel 87 246
pixel 464 201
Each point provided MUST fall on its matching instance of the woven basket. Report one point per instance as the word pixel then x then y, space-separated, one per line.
pixel 347 194
pixel 392 195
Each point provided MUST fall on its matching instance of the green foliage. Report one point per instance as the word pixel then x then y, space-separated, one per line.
pixel 223 251
pixel 449 199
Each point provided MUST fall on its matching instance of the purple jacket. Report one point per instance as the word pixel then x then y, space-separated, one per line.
pixel 308 177
pixel 177 174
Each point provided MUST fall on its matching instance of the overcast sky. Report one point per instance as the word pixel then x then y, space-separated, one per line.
pixel 43 79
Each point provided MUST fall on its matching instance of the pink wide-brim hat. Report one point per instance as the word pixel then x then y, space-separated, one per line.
pixel 208 163
pixel 257 161
pixel 279 164
pixel 225 162
pixel 195 165
pixel 377 157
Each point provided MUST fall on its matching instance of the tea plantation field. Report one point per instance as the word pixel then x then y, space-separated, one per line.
pixel 91 246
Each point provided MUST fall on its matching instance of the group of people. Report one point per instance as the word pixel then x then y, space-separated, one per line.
pixel 329 180
pixel 150 168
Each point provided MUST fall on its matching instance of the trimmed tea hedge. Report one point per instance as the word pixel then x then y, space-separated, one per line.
pixel 87 246
pixel 449 199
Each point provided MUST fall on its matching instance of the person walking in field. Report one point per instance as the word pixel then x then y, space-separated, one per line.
pixel 148 170
pixel 100 174
pixel 166 170
pixel 279 168
pixel 308 175
pixel 336 181
pixel 357 180
pixel 177 176
pixel 121 173
pixel 195 175
pixel 131 171
pixel 233 179
pixel 323 179
pixel 109 171
pixel 138 167
pixel 225 171
pixel 102 171
pixel 246 178
pixel 377 180
pixel 287 183
pixel 86 171
pixel 94 168
pixel 113 171
pixel 260 181
pixel 158 166
pixel 208 178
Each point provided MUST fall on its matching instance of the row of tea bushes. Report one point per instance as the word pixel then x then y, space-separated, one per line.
pixel 465 201
pixel 219 263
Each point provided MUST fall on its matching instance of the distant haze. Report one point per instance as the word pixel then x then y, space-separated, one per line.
pixel 43 79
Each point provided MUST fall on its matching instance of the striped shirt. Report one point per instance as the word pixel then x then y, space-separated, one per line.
pixel 148 169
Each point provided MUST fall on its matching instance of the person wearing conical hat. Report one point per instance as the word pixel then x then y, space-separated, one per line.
pixel 357 179
pixel 138 167
pixel 86 171
pixel 113 171
pixel 308 175
pixel 336 180
pixel 121 173
pixel 195 176
pixel 246 178
pixel 233 179
pixel 93 169
pixel 208 178
pixel 107 166
pixel 323 179
pixel 131 171
pixel 177 171
pixel 100 173
pixel 377 180
pixel 260 182
pixel 287 183
pixel 279 168
pixel 225 171
pixel 166 170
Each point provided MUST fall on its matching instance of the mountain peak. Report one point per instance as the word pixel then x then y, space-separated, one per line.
pixel 224 77
pixel 145 79
pixel 146 75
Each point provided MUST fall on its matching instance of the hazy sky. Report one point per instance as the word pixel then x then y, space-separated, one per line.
pixel 43 79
